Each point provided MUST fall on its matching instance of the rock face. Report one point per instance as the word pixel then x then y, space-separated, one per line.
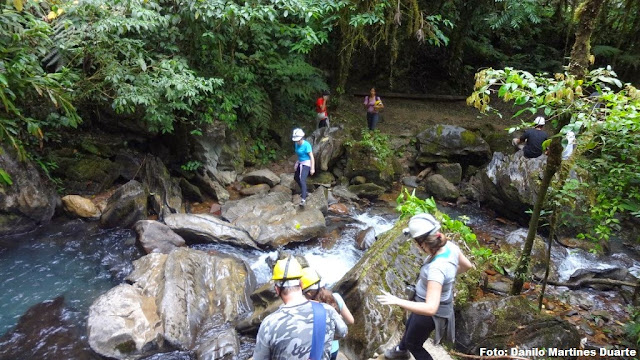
pixel 29 201
pixel 126 206
pixel 262 176
pixel 220 153
pixel 212 187
pixel 166 195
pixel 84 173
pixel 272 220
pixel 447 143
pixel 388 265
pixel 44 333
pixel 190 296
pixel 155 236
pixel 510 322
pixel 208 228
pixel 327 145
pixel 510 183
pixel 81 207
pixel 124 324
pixel 440 188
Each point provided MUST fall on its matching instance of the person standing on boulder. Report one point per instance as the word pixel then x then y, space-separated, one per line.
pixel 432 306
pixel 321 109
pixel 300 329
pixel 310 282
pixel 531 141
pixel 305 164
pixel 373 104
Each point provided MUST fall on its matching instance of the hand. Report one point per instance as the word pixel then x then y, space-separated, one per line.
pixel 312 171
pixel 387 299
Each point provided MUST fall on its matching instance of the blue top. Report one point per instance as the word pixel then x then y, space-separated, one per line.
pixel 303 150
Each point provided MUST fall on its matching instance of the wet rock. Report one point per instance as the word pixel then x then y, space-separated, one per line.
pixel 339 209
pixel 365 238
pixel 44 333
pixel 208 228
pixel 328 146
pixel 330 198
pixel 450 171
pixel 30 201
pixel 217 340
pixel 78 206
pixel 440 188
pixel 190 191
pixel 342 192
pixel 614 273
pixel 262 176
pixel 509 184
pixel 265 302
pixel 165 193
pixel 447 143
pixel 124 324
pixel 410 181
pixel 368 190
pixel 156 237
pixel 318 200
pixel 126 206
pixel 255 189
pixel 510 322
pixel 272 220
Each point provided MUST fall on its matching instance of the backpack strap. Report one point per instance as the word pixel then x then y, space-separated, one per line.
pixel 319 330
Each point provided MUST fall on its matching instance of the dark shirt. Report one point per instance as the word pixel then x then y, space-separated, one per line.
pixel 533 146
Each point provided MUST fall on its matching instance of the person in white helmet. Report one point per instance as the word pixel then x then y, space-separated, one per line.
pixel 432 306
pixel 305 164
pixel 531 141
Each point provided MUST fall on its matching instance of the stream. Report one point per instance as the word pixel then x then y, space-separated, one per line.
pixel 80 261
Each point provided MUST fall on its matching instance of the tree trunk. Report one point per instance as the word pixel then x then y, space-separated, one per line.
pixel 587 14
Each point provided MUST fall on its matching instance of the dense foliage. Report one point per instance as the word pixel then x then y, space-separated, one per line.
pixel 606 118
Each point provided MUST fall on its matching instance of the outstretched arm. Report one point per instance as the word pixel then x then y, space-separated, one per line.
pixel 429 307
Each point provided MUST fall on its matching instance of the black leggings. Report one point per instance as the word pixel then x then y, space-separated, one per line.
pixel 418 328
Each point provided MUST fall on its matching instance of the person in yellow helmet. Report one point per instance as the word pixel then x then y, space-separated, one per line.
pixel 312 290
pixel 288 333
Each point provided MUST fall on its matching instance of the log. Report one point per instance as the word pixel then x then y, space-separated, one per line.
pixel 592 281
pixel 417 96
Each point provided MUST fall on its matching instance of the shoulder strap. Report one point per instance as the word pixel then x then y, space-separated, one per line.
pixel 319 329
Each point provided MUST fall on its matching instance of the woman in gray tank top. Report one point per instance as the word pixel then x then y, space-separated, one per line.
pixel 432 307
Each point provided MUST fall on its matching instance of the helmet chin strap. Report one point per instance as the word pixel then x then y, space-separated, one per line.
pixel 286 270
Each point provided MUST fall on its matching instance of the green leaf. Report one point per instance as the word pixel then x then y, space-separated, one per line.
pixel 5 178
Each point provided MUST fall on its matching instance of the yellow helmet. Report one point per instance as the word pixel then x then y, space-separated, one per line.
pixel 287 269
pixel 309 278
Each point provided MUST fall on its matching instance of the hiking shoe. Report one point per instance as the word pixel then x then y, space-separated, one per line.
pixel 396 353
pixel 302 202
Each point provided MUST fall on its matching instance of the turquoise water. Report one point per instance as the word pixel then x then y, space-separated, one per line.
pixel 73 259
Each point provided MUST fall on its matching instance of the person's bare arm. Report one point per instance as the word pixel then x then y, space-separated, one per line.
pixel 463 263
pixel 313 163
pixel 428 308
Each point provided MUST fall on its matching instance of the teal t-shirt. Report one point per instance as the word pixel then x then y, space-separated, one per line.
pixel 303 151
pixel 335 346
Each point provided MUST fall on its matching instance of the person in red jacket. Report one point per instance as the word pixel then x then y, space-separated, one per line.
pixel 321 109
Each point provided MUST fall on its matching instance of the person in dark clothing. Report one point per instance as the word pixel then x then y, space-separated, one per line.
pixel 531 141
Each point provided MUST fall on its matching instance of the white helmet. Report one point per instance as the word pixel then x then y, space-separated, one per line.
pixel 422 224
pixel 297 135
pixel 571 137
pixel 539 121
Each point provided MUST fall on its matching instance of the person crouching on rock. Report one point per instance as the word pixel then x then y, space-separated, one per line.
pixel 310 282
pixel 432 306
pixel 531 141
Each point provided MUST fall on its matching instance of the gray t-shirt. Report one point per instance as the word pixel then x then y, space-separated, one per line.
pixel 441 269
pixel 286 334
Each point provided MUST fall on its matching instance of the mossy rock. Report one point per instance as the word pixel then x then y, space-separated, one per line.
pixel 361 161
pixel 85 174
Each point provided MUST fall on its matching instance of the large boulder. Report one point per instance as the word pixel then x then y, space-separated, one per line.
pixel 367 190
pixel 44 332
pixel 194 291
pixel 262 176
pixel 328 146
pixel 272 220
pixel 450 171
pixel 166 195
pixel 362 161
pixel 126 206
pixel 440 188
pixel 124 324
pixel 208 228
pixel 509 184
pixel 514 242
pixel 390 263
pixel 448 143
pixel 505 323
pixel 29 201
pixel 81 207
pixel 157 237
pixel 220 152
